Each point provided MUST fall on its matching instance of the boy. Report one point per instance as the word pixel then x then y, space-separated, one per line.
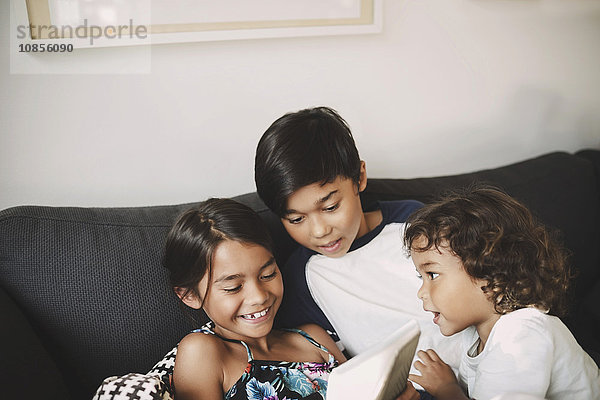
pixel 350 275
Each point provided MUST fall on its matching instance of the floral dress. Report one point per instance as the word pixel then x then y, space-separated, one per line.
pixel 280 380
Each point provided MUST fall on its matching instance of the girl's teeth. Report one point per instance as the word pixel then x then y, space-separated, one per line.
pixel 256 315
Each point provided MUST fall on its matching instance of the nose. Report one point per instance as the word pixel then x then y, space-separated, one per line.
pixel 256 294
pixel 319 227
pixel 422 292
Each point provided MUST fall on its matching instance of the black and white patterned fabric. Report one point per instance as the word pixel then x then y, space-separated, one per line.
pixel 155 385
pixel 164 368
pixel 133 387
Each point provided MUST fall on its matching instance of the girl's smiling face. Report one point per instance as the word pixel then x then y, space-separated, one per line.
pixel 244 293
pixel 454 297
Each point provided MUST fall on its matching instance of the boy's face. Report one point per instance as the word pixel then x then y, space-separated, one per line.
pixel 455 299
pixel 327 218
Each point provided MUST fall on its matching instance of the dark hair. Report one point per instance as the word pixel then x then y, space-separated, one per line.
pixel 314 145
pixel 192 240
pixel 498 240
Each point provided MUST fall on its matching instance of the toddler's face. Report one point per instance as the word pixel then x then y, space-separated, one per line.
pixel 455 299
pixel 326 218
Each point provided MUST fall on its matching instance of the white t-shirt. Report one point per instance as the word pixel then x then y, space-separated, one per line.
pixel 531 353
pixel 371 292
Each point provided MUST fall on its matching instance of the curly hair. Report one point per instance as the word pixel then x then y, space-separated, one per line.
pixel 497 240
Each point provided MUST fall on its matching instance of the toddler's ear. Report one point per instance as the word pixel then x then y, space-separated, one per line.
pixel 188 297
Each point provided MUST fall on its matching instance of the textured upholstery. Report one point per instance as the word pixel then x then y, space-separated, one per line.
pixel 90 296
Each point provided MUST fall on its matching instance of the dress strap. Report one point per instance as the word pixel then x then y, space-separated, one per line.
pixel 312 341
pixel 208 329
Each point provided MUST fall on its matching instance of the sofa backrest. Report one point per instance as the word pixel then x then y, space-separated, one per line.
pixel 89 281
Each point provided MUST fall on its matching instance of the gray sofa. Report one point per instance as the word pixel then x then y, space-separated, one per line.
pixel 84 296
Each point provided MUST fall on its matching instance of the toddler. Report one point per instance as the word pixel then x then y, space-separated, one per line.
pixel 490 270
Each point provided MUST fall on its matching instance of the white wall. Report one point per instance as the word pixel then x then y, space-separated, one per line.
pixel 448 87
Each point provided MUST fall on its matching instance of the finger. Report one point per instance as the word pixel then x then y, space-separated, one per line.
pixel 410 392
pixel 433 355
pixel 415 378
pixel 424 356
pixel 418 365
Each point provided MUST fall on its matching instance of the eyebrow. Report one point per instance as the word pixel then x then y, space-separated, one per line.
pixel 319 201
pixel 227 278
pixel 426 264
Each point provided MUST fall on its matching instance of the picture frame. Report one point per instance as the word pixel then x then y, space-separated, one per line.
pixel 112 23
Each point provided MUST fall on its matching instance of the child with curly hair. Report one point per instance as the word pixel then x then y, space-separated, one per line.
pixel 488 268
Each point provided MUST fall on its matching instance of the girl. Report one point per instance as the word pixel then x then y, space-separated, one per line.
pixel 490 270
pixel 220 259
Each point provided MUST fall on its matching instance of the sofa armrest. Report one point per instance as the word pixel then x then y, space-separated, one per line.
pixel 25 362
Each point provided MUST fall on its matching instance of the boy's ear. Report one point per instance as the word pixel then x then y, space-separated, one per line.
pixel 189 298
pixel 362 180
